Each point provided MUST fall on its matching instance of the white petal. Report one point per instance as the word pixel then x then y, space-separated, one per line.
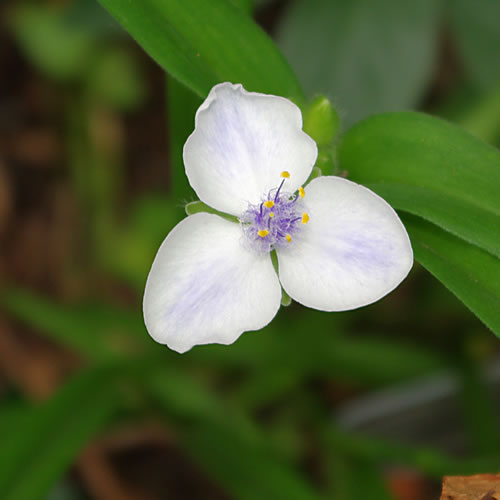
pixel 205 287
pixel 353 251
pixel 241 143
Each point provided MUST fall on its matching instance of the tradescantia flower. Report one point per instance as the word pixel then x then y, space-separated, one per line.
pixel 339 245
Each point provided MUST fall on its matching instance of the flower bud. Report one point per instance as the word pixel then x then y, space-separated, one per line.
pixel 321 121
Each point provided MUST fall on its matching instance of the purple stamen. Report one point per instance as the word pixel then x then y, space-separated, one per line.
pixel 287 210
pixel 279 189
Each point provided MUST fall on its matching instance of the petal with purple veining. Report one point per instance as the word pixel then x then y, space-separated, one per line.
pixel 241 143
pixel 353 251
pixel 205 287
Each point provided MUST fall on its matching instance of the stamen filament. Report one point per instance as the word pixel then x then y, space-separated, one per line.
pixel 275 220
pixel 278 191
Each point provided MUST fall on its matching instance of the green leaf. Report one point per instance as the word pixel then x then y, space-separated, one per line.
pixel 429 168
pixel 369 361
pixel 182 104
pixel 469 272
pixel 226 443
pixel 244 5
pixel 100 332
pixel 473 224
pixel 363 479
pixel 431 462
pixel 202 43
pixel 10 413
pixel 44 441
pixel 351 479
pixel 229 459
pixel 368 58
pixel 475 25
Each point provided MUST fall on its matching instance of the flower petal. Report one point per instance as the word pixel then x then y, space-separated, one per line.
pixel 205 287
pixel 241 143
pixel 352 252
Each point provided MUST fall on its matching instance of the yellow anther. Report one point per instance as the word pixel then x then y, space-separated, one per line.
pixel 288 238
pixel 263 233
pixel 271 214
pixel 305 218
pixel 302 192
pixel 285 174
pixel 269 203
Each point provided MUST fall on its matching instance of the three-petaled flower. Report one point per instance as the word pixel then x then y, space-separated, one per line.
pixel 339 245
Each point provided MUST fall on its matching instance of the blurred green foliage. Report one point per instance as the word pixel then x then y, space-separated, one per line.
pixel 55 47
pixel 444 182
pixel 476 28
pixel 371 58
pixel 43 440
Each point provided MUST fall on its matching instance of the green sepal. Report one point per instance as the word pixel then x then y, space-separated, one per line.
pixel 196 207
pixel 286 300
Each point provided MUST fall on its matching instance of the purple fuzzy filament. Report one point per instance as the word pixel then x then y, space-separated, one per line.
pixel 281 221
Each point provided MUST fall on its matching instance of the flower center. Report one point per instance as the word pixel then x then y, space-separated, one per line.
pixel 274 222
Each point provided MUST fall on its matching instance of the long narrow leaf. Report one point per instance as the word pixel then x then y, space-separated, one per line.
pixel 469 272
pixel 202 43
pixel 430 168
pixel 433 169
pixel 226 443
pixel 44 441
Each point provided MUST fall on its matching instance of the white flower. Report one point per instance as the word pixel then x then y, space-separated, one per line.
pixel 339 245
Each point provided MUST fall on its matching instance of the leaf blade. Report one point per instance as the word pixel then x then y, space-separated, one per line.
pixel 415 149
pixel 203 43
pixel 477 226
pixel 466 270
pixel 45 440
pixel 437 172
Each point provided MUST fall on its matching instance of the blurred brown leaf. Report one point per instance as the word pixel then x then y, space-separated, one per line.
pixel 478 487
